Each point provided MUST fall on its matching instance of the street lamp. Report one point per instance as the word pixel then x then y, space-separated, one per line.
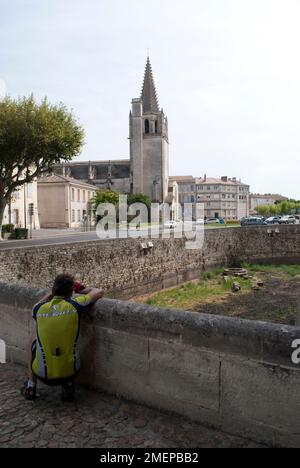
pixel 31 214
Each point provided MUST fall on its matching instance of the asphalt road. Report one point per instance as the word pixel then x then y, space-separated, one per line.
pixel 51 240
pixel 71 237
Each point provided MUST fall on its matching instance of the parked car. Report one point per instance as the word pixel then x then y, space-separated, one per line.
pixel 200 222
pixel 253 221
pixel 170 224
pixel 212 221
pixel 288 220
pixel 274 220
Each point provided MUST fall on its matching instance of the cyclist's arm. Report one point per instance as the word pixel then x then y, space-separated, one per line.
pixel 94 294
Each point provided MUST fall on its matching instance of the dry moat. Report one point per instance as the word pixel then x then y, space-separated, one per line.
pixel 277 300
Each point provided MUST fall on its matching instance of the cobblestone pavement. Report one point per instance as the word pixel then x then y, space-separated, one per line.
pixel 94 420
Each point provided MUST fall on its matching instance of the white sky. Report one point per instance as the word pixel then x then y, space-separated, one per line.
pixel 227 74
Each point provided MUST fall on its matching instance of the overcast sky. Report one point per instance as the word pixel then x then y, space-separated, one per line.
pixel 227 74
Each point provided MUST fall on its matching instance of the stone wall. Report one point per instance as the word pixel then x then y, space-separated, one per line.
pixel 227 373
pixel 124 271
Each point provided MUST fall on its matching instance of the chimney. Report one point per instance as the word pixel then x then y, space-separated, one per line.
pixel 224 179
pixel 205 177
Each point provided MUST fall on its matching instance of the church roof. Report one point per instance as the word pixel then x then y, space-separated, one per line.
pixel 149 95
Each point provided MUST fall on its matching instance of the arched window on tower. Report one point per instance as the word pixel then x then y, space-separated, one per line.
pixel 156 127
pixel 147 126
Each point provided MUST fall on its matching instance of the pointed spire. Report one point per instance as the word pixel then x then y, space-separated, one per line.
pixel 149 95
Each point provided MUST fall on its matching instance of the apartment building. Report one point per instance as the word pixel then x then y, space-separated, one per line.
pixel 226 197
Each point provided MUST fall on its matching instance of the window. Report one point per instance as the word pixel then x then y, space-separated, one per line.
pixel 30 190
pixel 83 196
pixel 15 195
pixel 156 127
pixel 73 195
pixel 78 216
pixel 89 195
pixel 15 217
pixel 73 215
pixel 78 195
pixel 147 126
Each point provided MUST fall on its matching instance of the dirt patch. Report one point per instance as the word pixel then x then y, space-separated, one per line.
pixel 278 301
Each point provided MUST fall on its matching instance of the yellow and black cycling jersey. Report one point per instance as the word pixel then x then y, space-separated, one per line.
pixel 57 331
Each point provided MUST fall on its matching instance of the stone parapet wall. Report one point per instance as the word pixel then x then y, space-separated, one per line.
pixel 123 270
pixel 231 374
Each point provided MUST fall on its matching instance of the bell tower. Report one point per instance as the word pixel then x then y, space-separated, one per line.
pixel 149 142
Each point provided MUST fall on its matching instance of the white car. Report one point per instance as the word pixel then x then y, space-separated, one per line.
pixel 200 222
pixel 170 225
pixel 212 221
pixel 288 220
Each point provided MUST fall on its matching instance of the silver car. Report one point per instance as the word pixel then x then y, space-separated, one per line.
pixel 288 220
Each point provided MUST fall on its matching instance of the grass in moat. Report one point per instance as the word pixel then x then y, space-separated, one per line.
pixel 277 301
pixel 209 288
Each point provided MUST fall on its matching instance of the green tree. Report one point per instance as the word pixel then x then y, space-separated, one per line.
pixel 285 207
pixel 139 198
pixel 33 138
pixel 105 196
pixel 263 210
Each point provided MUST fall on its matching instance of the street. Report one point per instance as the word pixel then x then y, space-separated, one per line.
pixel 51 237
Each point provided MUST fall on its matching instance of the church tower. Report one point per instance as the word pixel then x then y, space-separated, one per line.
pixel 149 143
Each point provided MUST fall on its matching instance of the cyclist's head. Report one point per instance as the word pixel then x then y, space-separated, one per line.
pixel 63 285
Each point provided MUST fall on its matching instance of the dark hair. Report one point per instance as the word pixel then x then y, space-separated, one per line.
pixel 63 285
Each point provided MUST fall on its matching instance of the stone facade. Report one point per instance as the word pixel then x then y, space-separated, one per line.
pixel 125 270
pixel 226 198
pixel 114 175
pixel 17 211
pixel 64 202
pixel 149 143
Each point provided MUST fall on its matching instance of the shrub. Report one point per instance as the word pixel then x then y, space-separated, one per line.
pixel 7 228
pixel 232 221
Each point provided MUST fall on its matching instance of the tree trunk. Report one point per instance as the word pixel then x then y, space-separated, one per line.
pixel 3 204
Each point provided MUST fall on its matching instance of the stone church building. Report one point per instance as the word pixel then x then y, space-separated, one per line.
pixel 147 170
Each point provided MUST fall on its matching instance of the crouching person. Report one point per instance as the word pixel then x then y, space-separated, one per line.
pixel 53 357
